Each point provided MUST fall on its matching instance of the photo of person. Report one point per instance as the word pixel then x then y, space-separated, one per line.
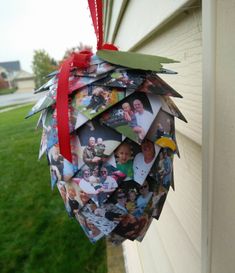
pixel 123 213
pixel 158 200
pixel 132 198
pixel 95 69
pixel 144 197
pixel 170 107
pixel 105 218
pixel 131 201
pixel 131 227
pixel 49 123
pixel 123 78
pixel 91 231
pixel 162 126
pixel 93 100
pixel 134 115
pixel 72 202
pixel 97 142
pixel 144 160
pixel 124 159
pixel 63 192
pixel 74 198
pixel 56 161
pixel 134 160
pixel 61 168
pixel 154 84
pixel 162 169
pixel 99 182
pixel 75 83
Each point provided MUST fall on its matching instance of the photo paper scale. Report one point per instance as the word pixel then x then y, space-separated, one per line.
pixel 133 116
pixel 97 142
pixel 60 168
pixel 98 181
pixel 134 160
pixel 122 78
pixel 93 100
pixel 154 84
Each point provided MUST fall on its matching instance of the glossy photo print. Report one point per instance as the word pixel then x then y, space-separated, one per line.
pixel 133 199
pixel 97 142
pixel 162 169
pixel 122 78
pixel 90 230
pixel 73 197
pixel 94 70
pixel 162 131
pixel 93 100
pixel 154 84
pixel 98 181
pixel 60 168
pixel 170 107
pixel 105 218
pixel 136 161
pixel 133 116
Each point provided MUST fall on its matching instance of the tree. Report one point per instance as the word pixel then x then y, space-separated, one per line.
pixel 42 65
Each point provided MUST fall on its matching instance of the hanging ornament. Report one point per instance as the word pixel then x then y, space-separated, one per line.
pixel 108 130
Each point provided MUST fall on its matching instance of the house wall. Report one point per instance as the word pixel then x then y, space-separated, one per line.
pixel 218 134
pixel 25 85
pixel 172 29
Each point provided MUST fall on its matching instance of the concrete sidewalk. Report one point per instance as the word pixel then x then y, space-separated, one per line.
pixel 115 259
pixel 19 98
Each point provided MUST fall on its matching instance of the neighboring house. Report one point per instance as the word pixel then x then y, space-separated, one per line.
pixel 12 68
pixel 24 81
pixel 4 82
pixel 16 77
pixel 195 233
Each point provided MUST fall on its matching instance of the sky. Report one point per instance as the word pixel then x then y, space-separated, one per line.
pixel 52 25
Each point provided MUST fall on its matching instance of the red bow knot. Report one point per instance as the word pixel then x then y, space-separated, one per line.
pixel 81 59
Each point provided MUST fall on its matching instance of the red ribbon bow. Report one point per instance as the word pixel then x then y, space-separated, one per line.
pixel 81 60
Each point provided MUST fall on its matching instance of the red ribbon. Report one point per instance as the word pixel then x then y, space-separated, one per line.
pixel 82 60
pixel 96 10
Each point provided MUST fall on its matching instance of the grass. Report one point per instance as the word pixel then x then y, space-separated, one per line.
pixel 36 234
pixel 12 105
pixel 127 131
pixel 5 91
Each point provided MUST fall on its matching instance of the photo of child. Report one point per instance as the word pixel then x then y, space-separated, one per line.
pixel 131 203
pixel 97 142
pixel 124 159
pixel 162 126
pixel 162 169
pixel 98 182
pixel 93 100
pixel 134 160
pixel 134 115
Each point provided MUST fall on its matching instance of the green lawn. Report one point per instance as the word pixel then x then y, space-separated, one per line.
pixel 127 131
pixel 36 234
